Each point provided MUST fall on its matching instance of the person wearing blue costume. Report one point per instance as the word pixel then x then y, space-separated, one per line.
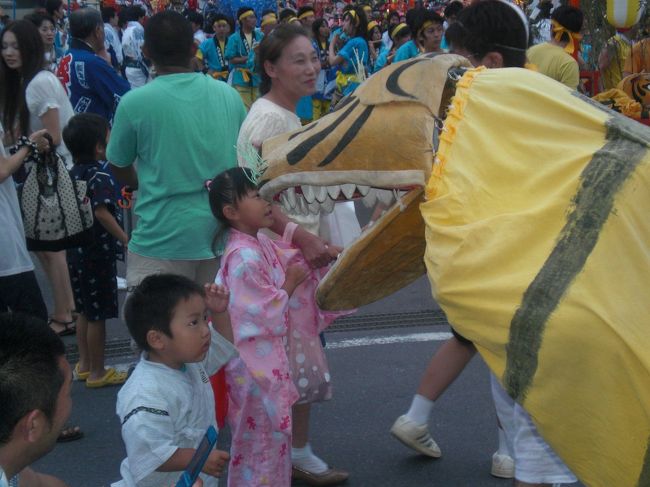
pixel 450 13
pixel 322 98
pixel 353 57
pixel 240 53
pixel 213 51
pixel 426 30
pixel 398 35
pixel 91 83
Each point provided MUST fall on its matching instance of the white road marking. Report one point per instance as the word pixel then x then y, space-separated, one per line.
pixel 386 340
pixel 350 343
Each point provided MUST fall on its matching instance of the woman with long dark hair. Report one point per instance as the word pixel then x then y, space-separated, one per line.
pixel 31 99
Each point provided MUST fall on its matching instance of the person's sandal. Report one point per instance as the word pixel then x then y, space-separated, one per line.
pixel 70 433
pixel 69 327
pixel 80 376
pixel 330 476
pixel 111 378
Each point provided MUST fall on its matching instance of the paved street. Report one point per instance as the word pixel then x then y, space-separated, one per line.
pixel 375 373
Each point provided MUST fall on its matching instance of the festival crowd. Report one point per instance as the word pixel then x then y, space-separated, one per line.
pixel 172 103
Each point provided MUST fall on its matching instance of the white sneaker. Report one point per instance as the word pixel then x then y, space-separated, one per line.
pixel 503 466
pixel 415 436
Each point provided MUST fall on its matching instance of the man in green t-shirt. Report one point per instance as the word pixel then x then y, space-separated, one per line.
pixel 182 129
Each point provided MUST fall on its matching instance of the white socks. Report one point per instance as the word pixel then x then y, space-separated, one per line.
pixel 304 459
pixel 420 409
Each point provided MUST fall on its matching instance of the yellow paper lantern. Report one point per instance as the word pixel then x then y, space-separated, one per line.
pixel 623 14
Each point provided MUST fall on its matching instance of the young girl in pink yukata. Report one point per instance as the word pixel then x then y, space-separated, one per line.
pixel 274 316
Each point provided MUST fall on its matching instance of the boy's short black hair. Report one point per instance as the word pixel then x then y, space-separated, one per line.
pixel 169 39
pixel 82 134
pixel 30 376
pixel 569 17
pixel 134 13
pixel 108 13
pixel 152 303
pixel 195 18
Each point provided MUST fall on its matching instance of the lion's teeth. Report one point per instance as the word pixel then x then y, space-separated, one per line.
pixel 320 193
pixel 314 208
pixel 363 190
pixel 333 191
pixel 291 197
pixel 284 201
pixel 385 196
pixel 348 190
pixel 308 193
pixel 328 205
pixel 370 198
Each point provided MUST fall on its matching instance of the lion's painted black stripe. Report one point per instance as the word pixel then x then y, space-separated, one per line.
pixel 644 476
pixel 306 129
pixel 298 153
pixel 348 136
pixel 392 83
pixel 600 182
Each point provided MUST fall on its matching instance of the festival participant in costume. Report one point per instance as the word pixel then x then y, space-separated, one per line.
pixel 287 15
pixel 450 14
pixel 306 16
pixel 269 21
pixel 47 30
pixel 393 21
pixel 479 35
pixel 92 84
pixel 275 276
pixel 167 404
pixel 289 69
pixel 638 60
pixel 213 51
pixel 353 57
pixel 323 97
pixel 33 99
pixel 399 35
pixel 137 72
pixel 374 42
pixel 557 58
pixel 613 57
pixel 426 35
pixel 240 53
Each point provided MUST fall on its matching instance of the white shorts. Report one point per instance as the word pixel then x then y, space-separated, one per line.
pixel 535 460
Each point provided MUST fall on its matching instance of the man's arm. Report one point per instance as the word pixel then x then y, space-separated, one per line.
pixel 29 478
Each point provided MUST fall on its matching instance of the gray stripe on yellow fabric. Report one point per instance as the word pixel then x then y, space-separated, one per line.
pixel 644 476
pixel 600 181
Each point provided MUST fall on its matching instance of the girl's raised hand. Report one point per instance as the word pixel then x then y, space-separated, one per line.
pixel 216 297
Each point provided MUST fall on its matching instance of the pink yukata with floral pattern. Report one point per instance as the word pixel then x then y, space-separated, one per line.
pixel 260 381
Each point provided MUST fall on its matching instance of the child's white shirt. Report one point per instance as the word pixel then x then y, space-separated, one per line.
pixel 162 409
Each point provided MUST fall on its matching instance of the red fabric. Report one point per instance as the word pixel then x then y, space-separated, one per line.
pixel 218 382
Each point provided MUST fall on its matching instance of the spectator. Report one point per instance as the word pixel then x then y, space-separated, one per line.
pixel 35 384
pixel 196 19
pixel 92 84
pixel 56 10
pixel 137 72
pixel 33 99
pixel 19 291
pixel 555 58
pixel 45 25
pixel 393 21
pixel 112 41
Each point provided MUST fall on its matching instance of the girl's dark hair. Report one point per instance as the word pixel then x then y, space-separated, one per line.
pixel 227 188
pixel 360 23
pixel 315 27
pixel 13 82
pixel 491 26
pixel 82 134
pixel 38 18
pixel 271 49
pixel 52 6
pixel 392 13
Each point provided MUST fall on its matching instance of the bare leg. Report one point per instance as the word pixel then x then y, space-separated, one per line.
pixel 300 429
pixel 56 268
pixel 96 344
pixel 82 343
pixel 444 367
